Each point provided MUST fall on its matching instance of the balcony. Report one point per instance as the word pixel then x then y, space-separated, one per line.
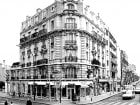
pixel 43 76
pixel 13 78
pixel 23 65
pixel 22 77
pixel 24 39
pixel 70 25
pixel 17 77
pixel 70 11
pixel 28 64
pixel 42 61
pixel 28 77
pixel 70 45
pixel 70 76
pixel 34 35
pixel 70 42
pixel 71 58
pixel 42 32
pixel 35 77
pixel 16 64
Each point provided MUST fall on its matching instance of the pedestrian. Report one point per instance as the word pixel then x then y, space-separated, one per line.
pixel 6 102
pixel 11 103
pixel 19 94
pixel 29 102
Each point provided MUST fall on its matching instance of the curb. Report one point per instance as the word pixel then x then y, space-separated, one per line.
pixel 25 100
pixel 56 103
pixel 99 100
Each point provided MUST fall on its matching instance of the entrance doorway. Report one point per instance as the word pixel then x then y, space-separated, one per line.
pixel 70 93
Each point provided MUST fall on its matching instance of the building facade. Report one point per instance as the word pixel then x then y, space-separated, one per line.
pixel 124 67
pixel 64 51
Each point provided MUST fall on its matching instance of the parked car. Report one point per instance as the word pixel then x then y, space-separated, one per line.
pixel 137 90
pixel 128 94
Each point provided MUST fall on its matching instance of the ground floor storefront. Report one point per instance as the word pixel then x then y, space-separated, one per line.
pixel 67 89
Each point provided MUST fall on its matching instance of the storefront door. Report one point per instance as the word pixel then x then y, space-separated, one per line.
pixel 70 93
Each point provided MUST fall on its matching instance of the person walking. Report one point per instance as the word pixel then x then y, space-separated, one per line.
pixel 6 102
pixel 29 102
pixel 11 103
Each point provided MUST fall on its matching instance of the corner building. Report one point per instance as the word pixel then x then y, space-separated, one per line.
pixel 61 48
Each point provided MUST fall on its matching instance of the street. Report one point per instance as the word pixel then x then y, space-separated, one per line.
pixel 117 100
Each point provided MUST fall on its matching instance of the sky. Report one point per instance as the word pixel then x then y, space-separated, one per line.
pixel 121 16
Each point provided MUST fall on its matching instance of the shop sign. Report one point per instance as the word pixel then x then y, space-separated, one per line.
pixel 70 85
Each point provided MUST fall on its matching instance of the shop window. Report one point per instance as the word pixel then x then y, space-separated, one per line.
pixel 64 92
pixel 87 91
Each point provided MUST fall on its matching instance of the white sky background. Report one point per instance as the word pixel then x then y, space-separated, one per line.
pixel 121 16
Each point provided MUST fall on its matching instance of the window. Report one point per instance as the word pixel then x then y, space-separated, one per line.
pixel 70 23
pixel 23 56
pixel 71 6
pixel 52 42
pixel 71 36
pixel 87 55
pixel 87 42
pixel 52 55
pixel 87 26
pixel 70 72
pixel 53 8
pixel 44 13
pixel 70 20
pixel 35 49
pixel 36 29
pixel 29 33
pixel 43 26
pixel 52 25
pixel 36 19
pixel 107 62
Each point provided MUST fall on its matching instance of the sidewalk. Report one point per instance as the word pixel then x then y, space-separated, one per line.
pixel 83 100
pixel 94 99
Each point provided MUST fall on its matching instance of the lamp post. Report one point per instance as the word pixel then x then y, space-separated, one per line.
pixel 7 79
pixel 33 77
pixel 58 72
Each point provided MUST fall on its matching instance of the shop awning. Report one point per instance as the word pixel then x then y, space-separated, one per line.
pixel 40 83
pixel 81 83
pixel 103 80
pixel 64 83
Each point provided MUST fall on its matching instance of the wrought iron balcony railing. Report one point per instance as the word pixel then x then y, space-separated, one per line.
pixel 39 62
pixel 70 76
pixel 70 47
pixel 43 76
pixel 28 77
pixel 70 42
pixel 70 25
pixel 71 59
pixel 35 77
pixel 41 32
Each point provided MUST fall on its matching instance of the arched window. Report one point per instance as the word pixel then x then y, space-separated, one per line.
pixel 71 6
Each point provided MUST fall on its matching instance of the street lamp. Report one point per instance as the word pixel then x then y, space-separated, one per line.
pixel 58 72
pixel 7 79
pixel 33 77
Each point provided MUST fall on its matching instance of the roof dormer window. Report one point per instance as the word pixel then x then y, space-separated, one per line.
pixel 71 6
